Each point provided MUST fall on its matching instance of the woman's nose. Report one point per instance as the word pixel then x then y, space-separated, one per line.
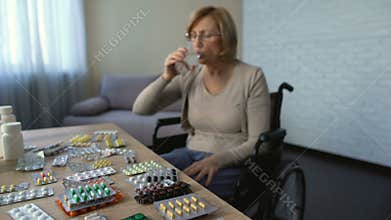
pixel 199 43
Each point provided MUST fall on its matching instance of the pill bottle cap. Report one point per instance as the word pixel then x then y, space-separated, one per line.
pixel 6 109
pixel 7 118
pixel 12 127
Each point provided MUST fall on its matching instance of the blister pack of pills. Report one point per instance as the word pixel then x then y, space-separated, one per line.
pixel 101 163
pixel 184 207
pixel 86 175
pixel 31 161
pixel 129 157
pixel 87 197
pixel 60 161
pixel 79 167
pixel 29 212
pixel 25 195
pixel 107 152
pixel 95 216
pixel 83 152
pixel 81 140
pixel 44 178
pixel 153 176
pixel 28 148
pixel 161 191
pixel 14 188
pixel 101 135
pixel 143 167
pixel 54 149
pixel 72 183
pixel 113 143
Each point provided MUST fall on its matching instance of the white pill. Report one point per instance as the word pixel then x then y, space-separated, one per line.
pixel 19 214
pixel 14 211
pixel 37 214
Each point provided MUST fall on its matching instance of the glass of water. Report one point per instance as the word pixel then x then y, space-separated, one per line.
pixel 190 62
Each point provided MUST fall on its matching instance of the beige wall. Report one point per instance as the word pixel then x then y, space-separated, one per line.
pixel 140 48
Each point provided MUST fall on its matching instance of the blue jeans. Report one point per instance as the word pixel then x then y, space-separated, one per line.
pixel 224 181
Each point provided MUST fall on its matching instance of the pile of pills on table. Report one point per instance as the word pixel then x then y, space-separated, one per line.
pixel 29 211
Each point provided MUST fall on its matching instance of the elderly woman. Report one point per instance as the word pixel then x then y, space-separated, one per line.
pixel 226 103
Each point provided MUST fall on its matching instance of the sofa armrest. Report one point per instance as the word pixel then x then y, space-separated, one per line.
pixel 90 106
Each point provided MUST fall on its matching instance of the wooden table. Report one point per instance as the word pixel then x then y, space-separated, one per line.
pixel 128 206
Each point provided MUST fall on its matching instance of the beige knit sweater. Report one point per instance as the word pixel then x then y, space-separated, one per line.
pixel 227 124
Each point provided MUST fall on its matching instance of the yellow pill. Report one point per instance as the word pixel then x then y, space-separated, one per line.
pixel 194 207
pixel 38 181
pixel 99 138
pixel 171 205
pixel 194 199
pixel 186 201
pixel 186 209
pixel 119 142
pixel 179 203
pixel 202 205
pixel 178 211
pixel 163 208
pixel 170 214
pixel 109 143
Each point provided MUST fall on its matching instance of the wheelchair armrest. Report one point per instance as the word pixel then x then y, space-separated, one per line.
pixel 276 135
pixel 161 122
pixel 168 121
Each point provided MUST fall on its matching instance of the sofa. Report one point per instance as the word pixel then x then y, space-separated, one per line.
pixel 114 105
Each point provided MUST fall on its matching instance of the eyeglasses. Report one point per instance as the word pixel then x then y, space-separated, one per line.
pixel 207 36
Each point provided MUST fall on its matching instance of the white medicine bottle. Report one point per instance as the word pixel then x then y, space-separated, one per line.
pixel 12 139
pixel 5 117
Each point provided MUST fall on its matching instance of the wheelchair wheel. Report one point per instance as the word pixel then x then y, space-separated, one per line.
pixel 289 202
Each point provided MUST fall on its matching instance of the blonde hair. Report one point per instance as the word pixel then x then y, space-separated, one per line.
pixel 225 24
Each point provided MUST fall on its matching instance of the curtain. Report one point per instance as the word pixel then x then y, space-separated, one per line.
pixel 43 64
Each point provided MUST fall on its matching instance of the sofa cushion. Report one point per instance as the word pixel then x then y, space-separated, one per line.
pixel 91 106
pixel 122 90
pixel 140 127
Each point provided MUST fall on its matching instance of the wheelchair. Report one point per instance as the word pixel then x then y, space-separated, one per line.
pixel 270 187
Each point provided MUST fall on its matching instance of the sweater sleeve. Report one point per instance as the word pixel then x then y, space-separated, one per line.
pixel 258 120
pixel 157 95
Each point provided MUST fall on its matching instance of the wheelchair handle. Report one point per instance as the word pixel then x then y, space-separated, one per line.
pixel 286 86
